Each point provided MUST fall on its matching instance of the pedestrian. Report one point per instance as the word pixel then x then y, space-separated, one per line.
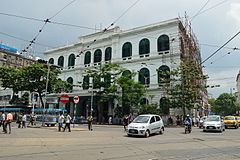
pixel 125 122
pixel 4 122
pixel 24 120
pixel 60 121
pixel 110 120
pixel 68 122
pixel 1 119
pixel 19 120
pixel 90 120
pixel 9 121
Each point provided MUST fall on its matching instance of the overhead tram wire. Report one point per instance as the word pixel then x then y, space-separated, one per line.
pixel 21 39
pixel 214 6
pixel 222 56
pixel 45 23
pixel 122 14
pixel 221 47
pixel 200 10
pixel 51 22
pixel 107 28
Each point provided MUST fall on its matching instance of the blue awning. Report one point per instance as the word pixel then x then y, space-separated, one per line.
pixel 11 109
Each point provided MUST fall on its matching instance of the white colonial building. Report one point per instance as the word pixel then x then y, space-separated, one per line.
pixel 145 50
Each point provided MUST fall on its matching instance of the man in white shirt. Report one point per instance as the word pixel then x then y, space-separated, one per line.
pixel 4 122
pixel 60 121
pixel 68 122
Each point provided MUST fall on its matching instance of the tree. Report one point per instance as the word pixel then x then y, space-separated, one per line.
pixel 110 82
pixel 186 83
pixel 132 93
pixel 225 104
pixel 149 109
pixel 32 78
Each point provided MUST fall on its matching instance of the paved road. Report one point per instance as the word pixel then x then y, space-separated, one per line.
pixel 111 143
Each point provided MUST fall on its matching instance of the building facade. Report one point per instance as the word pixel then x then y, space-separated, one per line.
pixel 145 50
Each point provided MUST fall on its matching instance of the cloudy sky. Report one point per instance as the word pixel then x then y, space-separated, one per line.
pixel 214 22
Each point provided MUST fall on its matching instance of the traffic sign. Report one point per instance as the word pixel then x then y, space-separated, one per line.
pixel 64 98
pixel 76 99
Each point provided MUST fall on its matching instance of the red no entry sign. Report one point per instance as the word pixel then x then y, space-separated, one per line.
pixel 76 99
pixel 64 98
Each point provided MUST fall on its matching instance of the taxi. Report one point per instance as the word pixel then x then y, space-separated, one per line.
pixel 238 119
pixel 231 121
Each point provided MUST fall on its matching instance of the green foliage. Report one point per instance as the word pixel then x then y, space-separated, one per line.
pixel 225 104
pixel 187 82
pixel 109 80
pixel 32 78
pixel 149 109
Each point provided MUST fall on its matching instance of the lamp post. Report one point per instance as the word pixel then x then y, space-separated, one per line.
pixel 45 97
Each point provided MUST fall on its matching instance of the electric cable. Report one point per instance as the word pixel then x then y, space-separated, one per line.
pixel 43 26
pixel 122 14
pixel 51 22
pixel 214 6
pixel 21 39
pixel 200 10
pixel 221 47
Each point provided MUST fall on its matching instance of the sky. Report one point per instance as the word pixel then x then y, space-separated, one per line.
pixel 214 22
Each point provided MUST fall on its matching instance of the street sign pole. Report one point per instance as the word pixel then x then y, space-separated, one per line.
pixel 75 100
pixel 74 114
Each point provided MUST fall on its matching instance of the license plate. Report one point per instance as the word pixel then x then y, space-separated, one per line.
pixel 210 127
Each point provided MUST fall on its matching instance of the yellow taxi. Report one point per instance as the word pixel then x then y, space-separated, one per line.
pixel 238 120
pixel 231 121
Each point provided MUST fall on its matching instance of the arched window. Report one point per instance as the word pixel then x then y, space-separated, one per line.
pixel 127 73
pixel 144 46
pixel 97 56
pixel 86 82
pixel 144 76
pixel 164 105
pixel 71 60
pixel 163 43
pixel 163 74
pixel 87 58
pixel 61 61
pixel 51 61
pixel 70 81
pixel 127 50
pixel 108 54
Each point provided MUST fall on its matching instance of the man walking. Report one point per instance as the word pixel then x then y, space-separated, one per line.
pixel 24 120
pixel 60 121
pixel 68 122
pixel 8 122
pixel 4 122
pixel 90 119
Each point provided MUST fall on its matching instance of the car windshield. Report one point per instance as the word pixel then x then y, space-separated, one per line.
pixel 229 118
pixel 141 119
pixel 213 119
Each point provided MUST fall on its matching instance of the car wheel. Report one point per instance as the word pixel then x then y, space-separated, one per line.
pixel 226 127
pixel 204 130
pixel 129 135
pixel 161 131
pixel 147 133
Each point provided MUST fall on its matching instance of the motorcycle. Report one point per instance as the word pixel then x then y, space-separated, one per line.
pixel 188 128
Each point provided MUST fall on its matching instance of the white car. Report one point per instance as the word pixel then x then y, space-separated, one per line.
pixel 146 124
pixel 213 123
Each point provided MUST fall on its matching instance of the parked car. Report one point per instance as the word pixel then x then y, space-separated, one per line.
pixel 231 121
pixel 202 119
pixel 213 123
pixel 238 120
pixel 145 125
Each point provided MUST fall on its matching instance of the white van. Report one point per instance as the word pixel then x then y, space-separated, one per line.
pixel 146 124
